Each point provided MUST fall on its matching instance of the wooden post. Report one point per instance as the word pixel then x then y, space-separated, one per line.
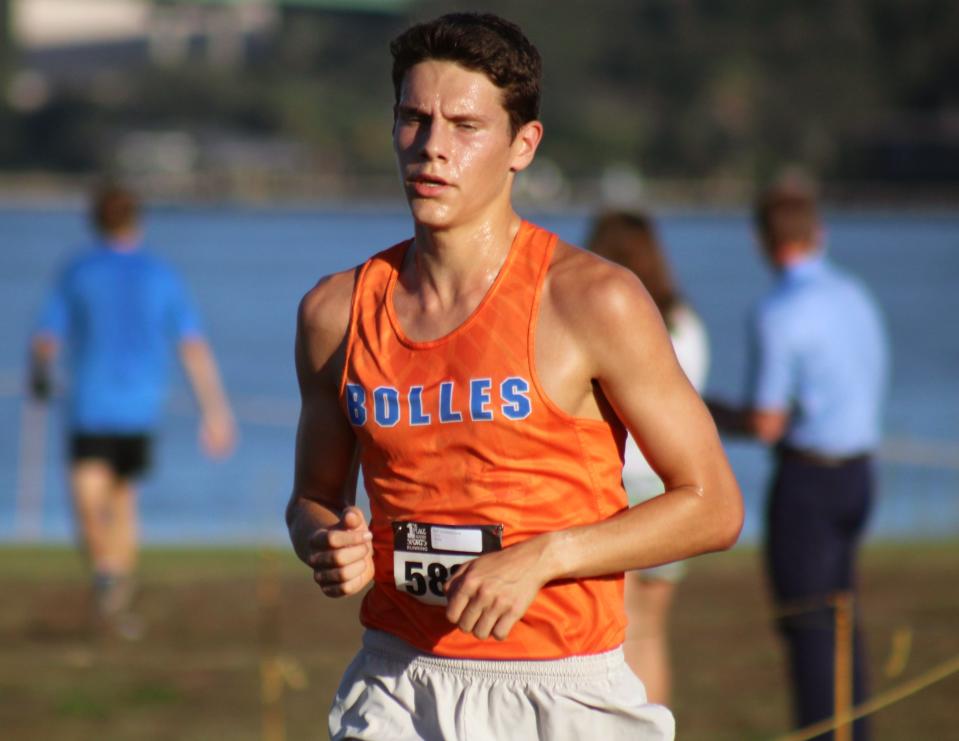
pixel 271 675
pixel 843 675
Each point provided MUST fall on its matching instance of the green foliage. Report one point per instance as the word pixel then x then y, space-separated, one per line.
pixel 693 89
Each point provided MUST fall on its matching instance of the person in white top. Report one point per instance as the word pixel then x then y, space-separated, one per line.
pixel 630 240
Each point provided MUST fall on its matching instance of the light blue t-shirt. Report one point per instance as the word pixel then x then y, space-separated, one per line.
pixel 120 313
pixel 819 351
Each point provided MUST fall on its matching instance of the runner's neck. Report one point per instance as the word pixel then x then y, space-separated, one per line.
pixel 454 262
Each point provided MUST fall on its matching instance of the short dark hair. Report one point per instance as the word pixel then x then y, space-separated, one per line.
pixel 481 42
pixel 786 212
pixel 113 209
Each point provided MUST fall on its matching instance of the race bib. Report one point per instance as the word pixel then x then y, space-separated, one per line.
pixel 425 555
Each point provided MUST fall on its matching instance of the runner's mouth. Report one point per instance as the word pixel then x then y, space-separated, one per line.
pixel 426 185
pixel 427 178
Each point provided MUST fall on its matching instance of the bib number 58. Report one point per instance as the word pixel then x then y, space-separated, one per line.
pixel 425 555
pixel 423 575
pixel 420 577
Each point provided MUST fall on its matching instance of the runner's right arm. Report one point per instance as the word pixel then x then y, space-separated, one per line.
pixel 328 533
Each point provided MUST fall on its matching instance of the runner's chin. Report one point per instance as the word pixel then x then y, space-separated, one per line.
pixel 430 211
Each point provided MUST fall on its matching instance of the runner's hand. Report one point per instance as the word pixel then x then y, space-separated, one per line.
pixel 218 434
pixel 342 556
pixel 489 594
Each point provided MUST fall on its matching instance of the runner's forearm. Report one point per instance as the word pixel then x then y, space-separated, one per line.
pixel 303 518
pixel 681 523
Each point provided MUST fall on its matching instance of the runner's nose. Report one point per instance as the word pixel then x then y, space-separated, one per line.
pixel 434 141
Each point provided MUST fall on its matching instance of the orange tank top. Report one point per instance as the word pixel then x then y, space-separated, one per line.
pixel 457 431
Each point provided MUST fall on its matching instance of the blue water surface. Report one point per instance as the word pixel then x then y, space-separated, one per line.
pixel 248 268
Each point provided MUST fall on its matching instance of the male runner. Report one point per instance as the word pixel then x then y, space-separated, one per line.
pixel 482 374
pixel 118 309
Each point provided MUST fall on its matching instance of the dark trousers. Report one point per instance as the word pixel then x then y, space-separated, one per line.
pixel 815 517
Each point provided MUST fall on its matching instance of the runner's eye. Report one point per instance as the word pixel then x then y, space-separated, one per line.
pixel 412 118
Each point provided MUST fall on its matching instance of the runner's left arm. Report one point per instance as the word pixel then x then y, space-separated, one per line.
pixel 626 350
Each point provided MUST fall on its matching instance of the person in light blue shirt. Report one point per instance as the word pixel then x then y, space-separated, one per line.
pixel 119 311
pixel 819 349
pixel 818 371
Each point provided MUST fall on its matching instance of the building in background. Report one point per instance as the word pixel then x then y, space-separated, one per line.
pixel 71 42
pixel 271 98
pixel 175 94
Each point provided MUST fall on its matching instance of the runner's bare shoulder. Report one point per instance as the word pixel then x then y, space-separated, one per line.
pixel 323 318
pixel 587 289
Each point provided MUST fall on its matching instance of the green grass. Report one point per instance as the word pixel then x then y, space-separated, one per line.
pixel 197 674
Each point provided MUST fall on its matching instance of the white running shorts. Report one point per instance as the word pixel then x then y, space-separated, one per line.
pixel 395 692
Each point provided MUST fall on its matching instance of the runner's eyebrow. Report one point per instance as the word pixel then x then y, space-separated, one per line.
pixel 412 110
pixel 466 118
pixel 406 109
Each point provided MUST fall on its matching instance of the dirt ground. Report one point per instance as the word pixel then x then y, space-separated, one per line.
pixel 241 645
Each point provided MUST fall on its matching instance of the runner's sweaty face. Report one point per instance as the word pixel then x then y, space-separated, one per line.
pixel 453 144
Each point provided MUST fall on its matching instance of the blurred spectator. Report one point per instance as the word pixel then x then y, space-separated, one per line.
pixel 630 240
pixel 818 376
pixel 118 309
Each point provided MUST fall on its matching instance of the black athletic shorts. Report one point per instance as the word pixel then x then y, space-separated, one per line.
pixel 127 455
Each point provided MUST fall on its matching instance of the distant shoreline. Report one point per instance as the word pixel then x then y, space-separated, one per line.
pixel 325 192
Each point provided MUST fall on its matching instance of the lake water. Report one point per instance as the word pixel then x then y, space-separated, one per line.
pixel 248 269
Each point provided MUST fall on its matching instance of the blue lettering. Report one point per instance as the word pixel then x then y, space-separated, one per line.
pixel 356 403
pixel 386 406
pixel 417 417
pixel 447 414
pixel 479 400
pixel 515 394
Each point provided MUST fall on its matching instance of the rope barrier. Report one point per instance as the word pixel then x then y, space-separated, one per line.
pixel 807 606
pixel 845 712
pixel 878 702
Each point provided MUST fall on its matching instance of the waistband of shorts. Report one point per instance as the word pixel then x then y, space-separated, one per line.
pixel 571 668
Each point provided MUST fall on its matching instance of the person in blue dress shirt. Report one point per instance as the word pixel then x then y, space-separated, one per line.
pixel 818 372
pixel 118 310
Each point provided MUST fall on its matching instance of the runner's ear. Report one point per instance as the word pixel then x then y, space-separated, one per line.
pixel 524 145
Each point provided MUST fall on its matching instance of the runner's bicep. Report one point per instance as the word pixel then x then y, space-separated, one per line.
pixel 641 377
pixel 326 448
pixel 325 458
